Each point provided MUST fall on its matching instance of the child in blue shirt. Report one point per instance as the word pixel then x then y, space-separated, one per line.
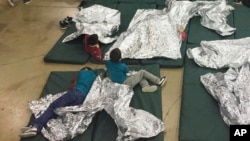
pixel 73 97
pixel 118 73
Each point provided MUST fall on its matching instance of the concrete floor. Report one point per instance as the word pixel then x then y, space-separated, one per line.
pixel 27 33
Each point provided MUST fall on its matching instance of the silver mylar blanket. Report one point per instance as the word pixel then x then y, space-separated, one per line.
pixel 221 53
pixel 232 92
pixel 114 98
pixel 154 33
pixel 99 20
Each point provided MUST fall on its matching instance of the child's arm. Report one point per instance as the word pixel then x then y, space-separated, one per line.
pixel 86 45
pixel 97 54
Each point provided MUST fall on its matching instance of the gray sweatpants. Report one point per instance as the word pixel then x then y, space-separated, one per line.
pixel 141 77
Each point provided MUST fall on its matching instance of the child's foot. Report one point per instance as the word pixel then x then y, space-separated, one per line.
pixel 163 80
pixel 26 1
pixel 149 88
pixel 28 132
pixel 23 129
pixel 63 24
pixel 11 2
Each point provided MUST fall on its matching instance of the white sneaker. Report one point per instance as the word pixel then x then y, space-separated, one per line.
pixel 163 80
pixel 23 129
pixel 152 88
pixel 28 132
pixel 11 2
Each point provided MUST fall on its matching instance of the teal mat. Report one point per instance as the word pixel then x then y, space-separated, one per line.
pixel 103 127
pixel 197 32
pixel 126 17
pixel 200 118
pixel 137 1
pixel 107 3
pixel 242 22
pixel 106 129
pixel 71 52
pixel 160 2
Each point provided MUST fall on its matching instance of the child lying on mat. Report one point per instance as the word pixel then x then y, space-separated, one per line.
pixel 73 97
pixel 118 71
pixel 92 47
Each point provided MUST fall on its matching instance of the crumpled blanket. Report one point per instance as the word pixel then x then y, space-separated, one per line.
pixel 104 94
pixel 232 92
pixel 154 33
pixel 96 19
pixel 214 16
pixel 221 53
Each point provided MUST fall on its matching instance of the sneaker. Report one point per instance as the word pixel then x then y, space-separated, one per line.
pixel 68 19
pixel 63 24
pixel 26 1
pixel 23 129
pixel 81 4
pixel 149 88
pixel 11 2
pixel 28 132
pixel 163 80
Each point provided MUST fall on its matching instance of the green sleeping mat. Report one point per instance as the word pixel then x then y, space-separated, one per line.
pixel 242 22
pixel 160 2
pixel 200 118
pixel 197 32
pixel 126 17
pixel 70 52
pixel 103 127
pixel 138 1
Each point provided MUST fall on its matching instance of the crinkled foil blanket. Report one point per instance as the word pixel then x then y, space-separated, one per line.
pixel 154 33
pixel 232 92
pixel 114 98
pixel 96 19
pixel 221 53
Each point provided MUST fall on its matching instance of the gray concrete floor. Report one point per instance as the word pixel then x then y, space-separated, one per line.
pixel 27 33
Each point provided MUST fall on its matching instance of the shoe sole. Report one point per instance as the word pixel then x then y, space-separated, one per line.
pixel 26 135
pixel 27 2
pixel 23 129
pixel 64 27
pixel 11 3
pixel 163 82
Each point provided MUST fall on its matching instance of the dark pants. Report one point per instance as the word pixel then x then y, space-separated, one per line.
pixel 71 98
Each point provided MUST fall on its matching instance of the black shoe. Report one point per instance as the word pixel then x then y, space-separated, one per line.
pixel 63 24
pixel 82 4
pixel 68 19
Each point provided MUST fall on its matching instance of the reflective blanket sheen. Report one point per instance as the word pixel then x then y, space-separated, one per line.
pixel 96 19
pixel 232 92
pixel 114 98
pixel 221 53
pixel 154 33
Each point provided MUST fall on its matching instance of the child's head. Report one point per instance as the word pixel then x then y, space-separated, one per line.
pixel 86 68
pixel 93 39
pixel 115 55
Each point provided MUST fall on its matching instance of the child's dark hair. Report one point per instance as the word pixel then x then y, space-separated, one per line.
pixel 93 39
pixel 115 55
pixel 86 68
